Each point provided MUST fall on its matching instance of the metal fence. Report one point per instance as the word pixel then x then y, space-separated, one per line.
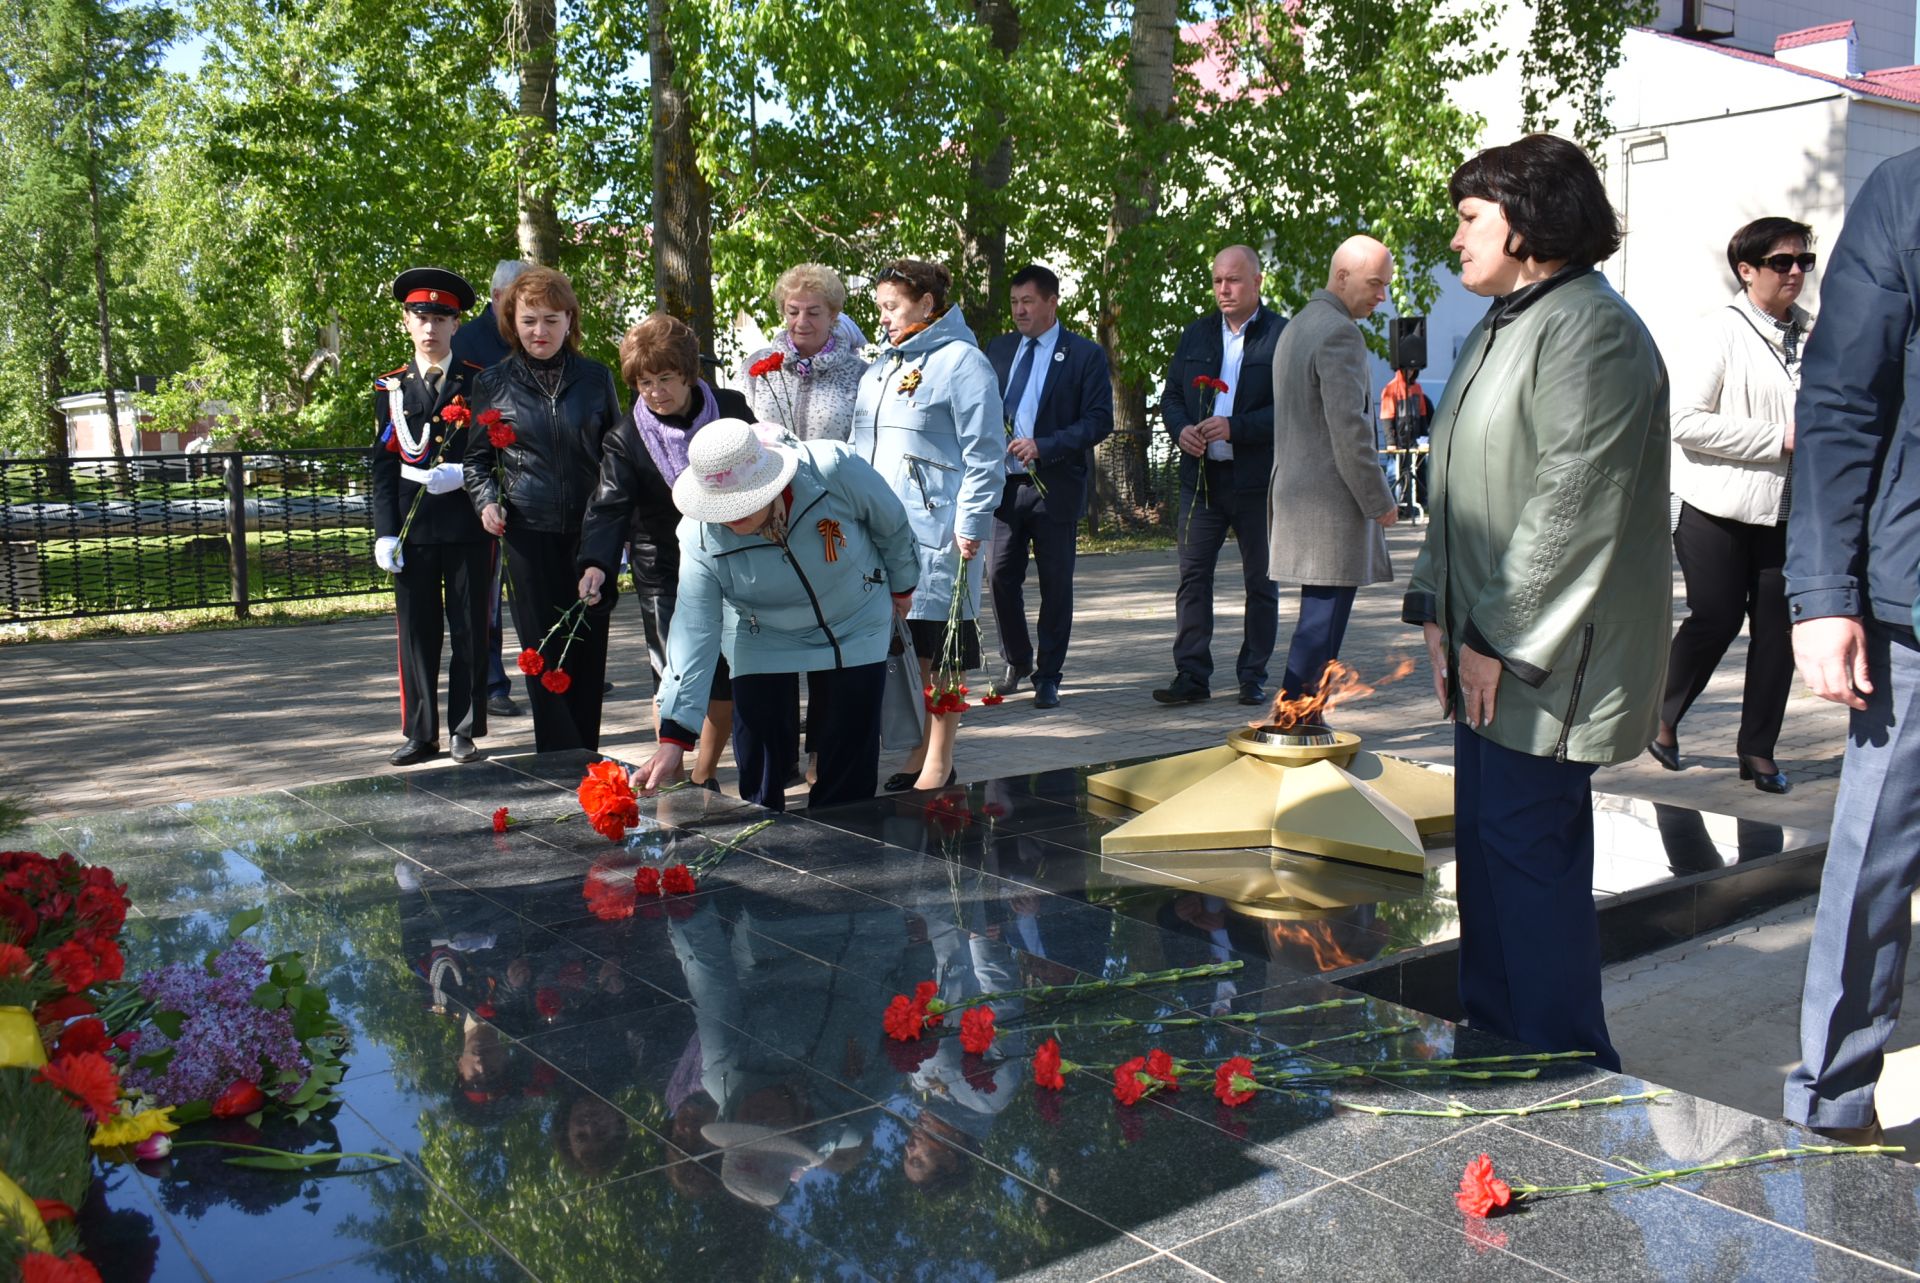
pixel 223 530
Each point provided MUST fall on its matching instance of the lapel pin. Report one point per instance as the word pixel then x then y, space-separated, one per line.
pixel 1059 356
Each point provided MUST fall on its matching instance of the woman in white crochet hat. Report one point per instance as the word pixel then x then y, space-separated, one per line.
pixel 794 556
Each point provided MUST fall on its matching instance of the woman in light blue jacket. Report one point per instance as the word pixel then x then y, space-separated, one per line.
pixel 929 419
pixel 794 558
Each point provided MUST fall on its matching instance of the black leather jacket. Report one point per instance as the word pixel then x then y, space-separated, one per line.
pixel 553 465
pixel 634 502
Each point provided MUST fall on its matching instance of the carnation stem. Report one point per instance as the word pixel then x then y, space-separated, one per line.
pixel 1135 980
pixel 1727 1164
pixel 1457 1110
pixel 281 1159
pixel 420 492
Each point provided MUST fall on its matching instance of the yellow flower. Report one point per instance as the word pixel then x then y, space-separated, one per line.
pixel 131 1129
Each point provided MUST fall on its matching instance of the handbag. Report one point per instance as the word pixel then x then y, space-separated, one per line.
pixel 903 704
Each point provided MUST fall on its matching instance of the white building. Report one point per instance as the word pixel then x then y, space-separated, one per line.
pixel 1786 113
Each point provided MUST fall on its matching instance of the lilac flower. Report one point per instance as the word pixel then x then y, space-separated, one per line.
pixel 223 1036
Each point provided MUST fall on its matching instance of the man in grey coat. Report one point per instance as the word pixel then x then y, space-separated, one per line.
pixel 1328 501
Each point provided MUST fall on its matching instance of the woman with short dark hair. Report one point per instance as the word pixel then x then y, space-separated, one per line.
pixel 560 408
pixel 1542 587
pixel 929 420
pixel 1733 438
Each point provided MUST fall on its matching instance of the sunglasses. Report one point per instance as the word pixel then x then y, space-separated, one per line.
pixel 1784 263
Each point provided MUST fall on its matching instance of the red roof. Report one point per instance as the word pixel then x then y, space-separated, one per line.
pixel 1899 86
pixel 1813 35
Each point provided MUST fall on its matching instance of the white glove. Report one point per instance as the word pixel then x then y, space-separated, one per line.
pixel 387 554
pixel 446 478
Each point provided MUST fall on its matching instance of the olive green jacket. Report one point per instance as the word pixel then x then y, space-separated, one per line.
pixel 1547 542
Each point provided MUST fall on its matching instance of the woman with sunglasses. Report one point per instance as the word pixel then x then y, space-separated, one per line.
pixel 1733 438
pixel 928 417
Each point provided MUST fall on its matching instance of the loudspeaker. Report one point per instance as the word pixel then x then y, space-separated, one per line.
pixel 1407 340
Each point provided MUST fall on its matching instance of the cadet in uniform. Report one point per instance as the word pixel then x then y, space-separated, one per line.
pixel 424 420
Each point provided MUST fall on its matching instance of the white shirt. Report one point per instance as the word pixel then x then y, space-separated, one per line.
pixel 1028 408
pixel 1233 349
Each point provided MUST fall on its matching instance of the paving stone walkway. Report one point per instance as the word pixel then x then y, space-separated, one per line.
pixel 112 723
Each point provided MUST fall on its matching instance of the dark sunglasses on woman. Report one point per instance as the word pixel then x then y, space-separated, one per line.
pixel 1784 263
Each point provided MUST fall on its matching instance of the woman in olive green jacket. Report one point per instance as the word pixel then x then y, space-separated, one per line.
pixel 1543 586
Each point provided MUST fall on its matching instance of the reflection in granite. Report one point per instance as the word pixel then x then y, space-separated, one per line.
pixel 582 1083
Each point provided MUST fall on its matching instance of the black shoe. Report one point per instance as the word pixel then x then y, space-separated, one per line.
pixel 1046 693
pixel 463 750
pixel 1667 757
pixel 502 706
pixel 1010 678
pixel 415 751
pixel 900 783
pixel 1183 690
pixel 1774 781
pixel 1251 694
pixel 711 784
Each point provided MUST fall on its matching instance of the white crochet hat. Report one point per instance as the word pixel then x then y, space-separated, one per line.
pixel 731 473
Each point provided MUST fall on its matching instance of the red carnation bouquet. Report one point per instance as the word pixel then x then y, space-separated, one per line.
pixel 607 798
pixel 1210 390
pixel 948 692
pixel 58 920
pixel 555 678
pixel 774 363
pixel 500 435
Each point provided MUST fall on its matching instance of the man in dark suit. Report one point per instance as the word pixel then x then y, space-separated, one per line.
pixel 1225 438
pixel 428 536
pixel 479 342
pixel 1058 404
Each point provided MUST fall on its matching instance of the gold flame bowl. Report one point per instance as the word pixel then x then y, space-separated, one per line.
pixel 1297 747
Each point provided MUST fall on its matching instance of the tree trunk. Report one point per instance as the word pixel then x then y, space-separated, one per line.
pixel 682 202
pixel 530 37
pixel 1122 485
pixel 54 382
pixel 103 319
pixel 983 247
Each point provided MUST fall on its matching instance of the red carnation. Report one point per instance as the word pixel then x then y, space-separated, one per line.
pixel 904 1020
pixel 62 1009
pixel 87 1079
pixel 993 697
pixel 767 365
pixel 51 1210
pixel 1128 1085
pixel 500 435
pixel 108 964
pixel 86 1034
pixel 1047 1065
pixel 607 798
pixel 14 961
pixel 43 1267
pixel 239 1099
pixel 501 819
pixel 1233 1082
pixel 1480 1190
pixel 556 680
pixel 647 880
pixel 976 1030
pixel 1160 1066
pixel 457 412
pixel 530 662
pixel 71 965
pixel 678 880
pixel 489 416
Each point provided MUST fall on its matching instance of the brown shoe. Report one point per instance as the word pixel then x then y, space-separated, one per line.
pixel 1867 1134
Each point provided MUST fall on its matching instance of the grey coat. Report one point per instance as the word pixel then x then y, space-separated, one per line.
pixel 1328 490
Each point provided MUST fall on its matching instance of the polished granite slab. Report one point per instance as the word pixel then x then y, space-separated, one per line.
pixel 701 1089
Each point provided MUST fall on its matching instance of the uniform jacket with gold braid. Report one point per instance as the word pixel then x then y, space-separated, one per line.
pixel 443 518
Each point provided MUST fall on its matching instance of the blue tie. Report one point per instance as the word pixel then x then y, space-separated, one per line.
pixel 1017 386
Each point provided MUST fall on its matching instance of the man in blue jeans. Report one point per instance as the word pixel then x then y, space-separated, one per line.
pixel 1853 556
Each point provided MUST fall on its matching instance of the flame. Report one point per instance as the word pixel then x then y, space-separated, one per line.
pixel 1317 939
pixel 1338 684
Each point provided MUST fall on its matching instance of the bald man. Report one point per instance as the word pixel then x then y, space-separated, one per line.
pixel 1225 443
pixel 1329 500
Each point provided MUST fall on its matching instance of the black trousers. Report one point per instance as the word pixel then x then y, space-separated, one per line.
pixel 540 568
pixel 1204 524
pixel 843 719
pixel 441 592
pixel 1733 570
pixel 1317 636
pixel 1523 866
pixel 1020 523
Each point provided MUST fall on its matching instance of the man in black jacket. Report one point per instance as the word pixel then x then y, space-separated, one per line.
pixel 428 537
pixel 1058 404
pixel 1853 558
pixel 479 342
pixel 1218 407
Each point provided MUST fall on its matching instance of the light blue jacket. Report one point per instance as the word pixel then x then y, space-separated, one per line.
pixel 942 446
pixel 791 610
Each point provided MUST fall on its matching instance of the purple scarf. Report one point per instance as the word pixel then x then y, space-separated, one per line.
pixel 668 444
